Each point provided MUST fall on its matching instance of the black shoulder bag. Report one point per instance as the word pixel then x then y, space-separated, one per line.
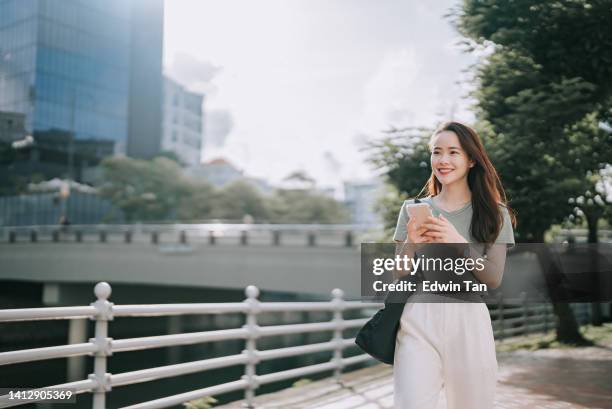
pixel 377 336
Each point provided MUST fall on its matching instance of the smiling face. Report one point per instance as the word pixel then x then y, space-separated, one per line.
pixel 450 163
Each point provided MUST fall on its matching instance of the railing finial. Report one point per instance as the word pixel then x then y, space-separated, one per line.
pixel 337 293
pixel 102 290
pixel 251 291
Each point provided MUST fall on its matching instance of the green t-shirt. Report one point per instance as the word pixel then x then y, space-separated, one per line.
pixel 460 218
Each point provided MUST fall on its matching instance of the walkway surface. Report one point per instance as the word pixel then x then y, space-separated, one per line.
pixel 568 378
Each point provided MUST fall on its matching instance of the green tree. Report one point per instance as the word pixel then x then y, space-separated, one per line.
pixel 144 190
pixel 305 206
pixel 173 156
pixel 237 200
pixel 198 202
pixel 540 81
pixel 541 93
pixel 403 156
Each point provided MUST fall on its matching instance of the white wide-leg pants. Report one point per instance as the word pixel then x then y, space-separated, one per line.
pixel 445 345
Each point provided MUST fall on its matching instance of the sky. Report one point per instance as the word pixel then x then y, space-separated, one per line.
pixel 303 84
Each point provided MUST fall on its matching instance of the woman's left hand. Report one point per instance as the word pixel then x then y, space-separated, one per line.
pixel 440 230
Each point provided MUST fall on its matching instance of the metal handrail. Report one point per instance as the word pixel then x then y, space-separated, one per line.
pixel 151 310
pixel 134 344
pixel 517 318
pixel 184 397
pixel 51 313
pixel 160 372
pixel 38 354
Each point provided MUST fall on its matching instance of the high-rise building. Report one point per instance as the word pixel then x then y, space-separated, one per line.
pixel 183 123
pixel 84 73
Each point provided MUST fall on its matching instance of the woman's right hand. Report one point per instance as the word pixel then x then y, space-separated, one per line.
pixel 415 235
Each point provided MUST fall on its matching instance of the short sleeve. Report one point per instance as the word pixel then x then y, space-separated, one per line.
pixel 400 229
pixel 506 234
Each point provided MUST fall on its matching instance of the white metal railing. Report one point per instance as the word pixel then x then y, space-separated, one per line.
pixel 507 319
pixel 521 317
pixel 101 346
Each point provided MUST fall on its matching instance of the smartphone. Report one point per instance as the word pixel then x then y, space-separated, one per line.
pixel 419 212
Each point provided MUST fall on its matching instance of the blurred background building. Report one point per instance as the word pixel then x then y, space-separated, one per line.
pixel 12 127
pixel 86 76
pixel 220 172
pixel 183 123
pixel 360 198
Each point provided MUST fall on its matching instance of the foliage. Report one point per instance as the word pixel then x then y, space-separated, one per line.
pixel 173 156
pixel 598 335
pixel 144 190
pixel 301 382
pixel 305 206
pixel 206 402
pixel 388 207
pixel 157 190
pixel 237 200
pixel 403 155
pixel 542 92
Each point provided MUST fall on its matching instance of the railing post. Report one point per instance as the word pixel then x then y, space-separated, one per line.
pixel 103 343
pixel 211 238
pixel 154 237
pixel 102 236
pixel 545 318
pixel 312 239
pixel 33 236
pixel 500 315
pixel 78 236
pixel 128 236
pixel 244 238
pixel 183 237
pixel 276 237
pixel 338 304
pixel 55 236
pixel 348 239
pixel 525 313
pixel 251 326
pixel 12 236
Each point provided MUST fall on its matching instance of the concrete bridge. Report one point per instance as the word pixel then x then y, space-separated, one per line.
pixel 286 259
pixel 292 259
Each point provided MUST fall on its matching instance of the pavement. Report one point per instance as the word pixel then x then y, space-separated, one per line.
pixel 556 378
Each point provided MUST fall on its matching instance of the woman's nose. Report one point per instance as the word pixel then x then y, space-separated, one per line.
pixel 444 160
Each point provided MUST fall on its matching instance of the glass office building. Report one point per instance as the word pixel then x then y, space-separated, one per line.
pixel 75 68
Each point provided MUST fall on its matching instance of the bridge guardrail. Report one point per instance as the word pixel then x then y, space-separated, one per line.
pixel 244 234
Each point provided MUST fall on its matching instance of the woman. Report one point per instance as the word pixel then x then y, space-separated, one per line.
pixel 445 344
